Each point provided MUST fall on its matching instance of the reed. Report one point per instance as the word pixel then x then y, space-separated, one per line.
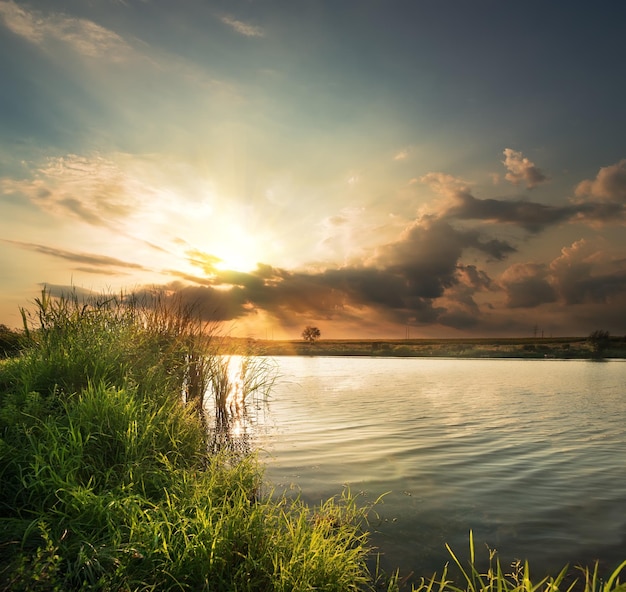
pixel 112 478
pixel 517 578
pixel 108 478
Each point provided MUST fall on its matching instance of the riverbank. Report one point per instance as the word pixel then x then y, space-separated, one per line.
pixel 531 348
pixel 111 479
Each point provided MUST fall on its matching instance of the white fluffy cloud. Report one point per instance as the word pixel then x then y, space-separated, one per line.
pixel 608 186
pixel 521 170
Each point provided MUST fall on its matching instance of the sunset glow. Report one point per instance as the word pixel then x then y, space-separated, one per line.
pixel 443 168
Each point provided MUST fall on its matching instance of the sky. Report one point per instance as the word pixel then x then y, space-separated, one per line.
pixel 375 168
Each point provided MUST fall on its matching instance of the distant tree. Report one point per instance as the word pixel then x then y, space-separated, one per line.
pixel 310 334
pixel 599 340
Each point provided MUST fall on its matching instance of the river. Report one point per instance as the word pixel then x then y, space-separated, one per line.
pixel 530 455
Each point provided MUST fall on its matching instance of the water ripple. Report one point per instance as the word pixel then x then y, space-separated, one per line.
pixel 527 454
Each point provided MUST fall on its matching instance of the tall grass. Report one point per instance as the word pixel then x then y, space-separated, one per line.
pixel 108 476
pixel 516 578
pixel 112 478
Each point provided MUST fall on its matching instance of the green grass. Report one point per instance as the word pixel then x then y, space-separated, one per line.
pixel 110 477
pixel 517 578
pixel 106 476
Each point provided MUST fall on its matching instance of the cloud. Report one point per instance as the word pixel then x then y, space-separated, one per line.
pixel 58 291
pixel 76 257
pixel 92 189
pixel 400 282
pixel 597 201
pixel 531 216
pixel 209 303
pixel 582 274
pixel 444 184
pixel 602 200
pixel 522 170
pixel 457 307
pixel 527 285
pixel 206 262
pixel 460 204
pixel 432 272
pixel 83 36
pixel 427 253
pixel 402 154
pixel 241 27
pixel 609 186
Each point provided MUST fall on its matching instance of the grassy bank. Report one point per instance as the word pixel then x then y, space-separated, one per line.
pixel 106 479
pixel 111 478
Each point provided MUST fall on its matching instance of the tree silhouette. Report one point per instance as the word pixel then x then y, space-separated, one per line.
pixel 599 340
pixel 310 334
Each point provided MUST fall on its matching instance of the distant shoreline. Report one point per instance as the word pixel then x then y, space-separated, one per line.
pixel 566 348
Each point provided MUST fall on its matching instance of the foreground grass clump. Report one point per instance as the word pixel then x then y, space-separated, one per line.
pixel 106 483
pixel 517 578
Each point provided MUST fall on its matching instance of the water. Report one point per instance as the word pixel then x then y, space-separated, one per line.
pixel 528 454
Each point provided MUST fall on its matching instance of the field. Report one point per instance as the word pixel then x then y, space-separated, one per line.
pixel 550 347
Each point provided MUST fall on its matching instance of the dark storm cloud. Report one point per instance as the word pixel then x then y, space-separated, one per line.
pixel 600 200
pixel 421 277
pixel 59 291
pixel 584 281
pixel 581 275
pixel 474 277
pixel 458 308
pixel 599 289
pixel 531 216
pixel 526 285
pixel 400 282
pixel 211 304
pixel 85 258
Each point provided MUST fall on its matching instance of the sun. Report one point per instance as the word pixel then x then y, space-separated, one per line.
pixel 237 249
pixel 232 260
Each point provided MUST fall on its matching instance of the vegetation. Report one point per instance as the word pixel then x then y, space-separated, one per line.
pixel 107 482
pixel 116 473
pixel 10 342
pixel 599 341
pixel 533 348
pixel 517 578
pixel 310 334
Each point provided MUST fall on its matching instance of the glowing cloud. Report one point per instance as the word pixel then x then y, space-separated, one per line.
pixel 522 170
pixel 83 36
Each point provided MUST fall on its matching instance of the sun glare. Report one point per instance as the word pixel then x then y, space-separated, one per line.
pixel 233 260
pixel 238 250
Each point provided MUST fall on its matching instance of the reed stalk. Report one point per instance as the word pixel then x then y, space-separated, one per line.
pixel 106 478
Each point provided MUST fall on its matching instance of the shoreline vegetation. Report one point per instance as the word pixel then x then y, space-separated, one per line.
pixel 566 348
pixel 119 473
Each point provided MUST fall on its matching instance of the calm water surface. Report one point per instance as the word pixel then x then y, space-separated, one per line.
pixel 529 455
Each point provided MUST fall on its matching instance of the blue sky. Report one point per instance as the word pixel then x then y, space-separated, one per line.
pixel 457 167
